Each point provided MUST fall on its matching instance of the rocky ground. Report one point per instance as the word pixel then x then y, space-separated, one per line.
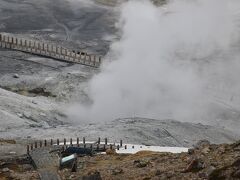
pixel 204 161
pixel 36 91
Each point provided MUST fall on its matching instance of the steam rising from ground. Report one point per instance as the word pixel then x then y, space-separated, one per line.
pixel 166 61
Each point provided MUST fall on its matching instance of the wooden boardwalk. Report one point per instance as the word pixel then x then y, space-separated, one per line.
pixel 46 163
pixel 49 51
pixel 45 158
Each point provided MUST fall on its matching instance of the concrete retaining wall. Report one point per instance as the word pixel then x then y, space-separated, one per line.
pixel 48 50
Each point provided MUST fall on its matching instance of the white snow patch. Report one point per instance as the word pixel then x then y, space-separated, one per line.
pixel 134 148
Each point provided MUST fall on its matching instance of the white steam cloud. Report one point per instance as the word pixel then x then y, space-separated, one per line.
pixel 166 61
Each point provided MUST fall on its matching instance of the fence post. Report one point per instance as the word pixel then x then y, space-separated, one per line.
pixel 84 58
pixel 100 61
pixel 77 142
pixel 94 61
pixel 51 48
pixel 61 51
pixel 27 149
pixel 84 140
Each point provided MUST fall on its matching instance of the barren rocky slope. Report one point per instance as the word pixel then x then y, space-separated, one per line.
pixel 34 91
pixel 205 161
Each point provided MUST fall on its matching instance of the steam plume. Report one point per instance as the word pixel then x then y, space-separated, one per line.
pixel 167 61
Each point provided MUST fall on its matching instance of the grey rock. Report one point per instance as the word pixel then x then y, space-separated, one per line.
pixel 20 115
pixel 236 174
pixel 210 170
pixel 16 76
pixel 27 114
pixel 141 163
pixel 117 171
pixel 34 102
pixel 195 165
pixel 5 170
pixel 92 176
pixel 201 144
pixel 43 114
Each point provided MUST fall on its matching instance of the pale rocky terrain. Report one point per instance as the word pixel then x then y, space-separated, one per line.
pixel 204 161
pixel 35 91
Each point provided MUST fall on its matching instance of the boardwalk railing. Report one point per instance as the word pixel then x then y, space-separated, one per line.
pixel 48 50
pixel 98 145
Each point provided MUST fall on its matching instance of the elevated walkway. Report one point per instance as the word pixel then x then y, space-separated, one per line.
pixel 49 50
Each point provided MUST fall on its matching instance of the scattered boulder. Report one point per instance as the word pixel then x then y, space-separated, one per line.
pixel 236 144
pixel 236 163
pixel 141 163
pixel 201 144
pixel 117 171
pixel 95 175
pixel 217 174
pixel 27 167
pixel 27 114
pixel 43 114
pixel 5 170
pixel 195 165
pixel 111 152
pixel 191 151
pixel 205 150
pixel 16 76
pixel 236 174
pixel 20 115
pixel 72 176
pixel 34 102
pixel 158 172
pixel 210 170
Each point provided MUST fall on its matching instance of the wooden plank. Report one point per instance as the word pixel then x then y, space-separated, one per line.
pixel 46 163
